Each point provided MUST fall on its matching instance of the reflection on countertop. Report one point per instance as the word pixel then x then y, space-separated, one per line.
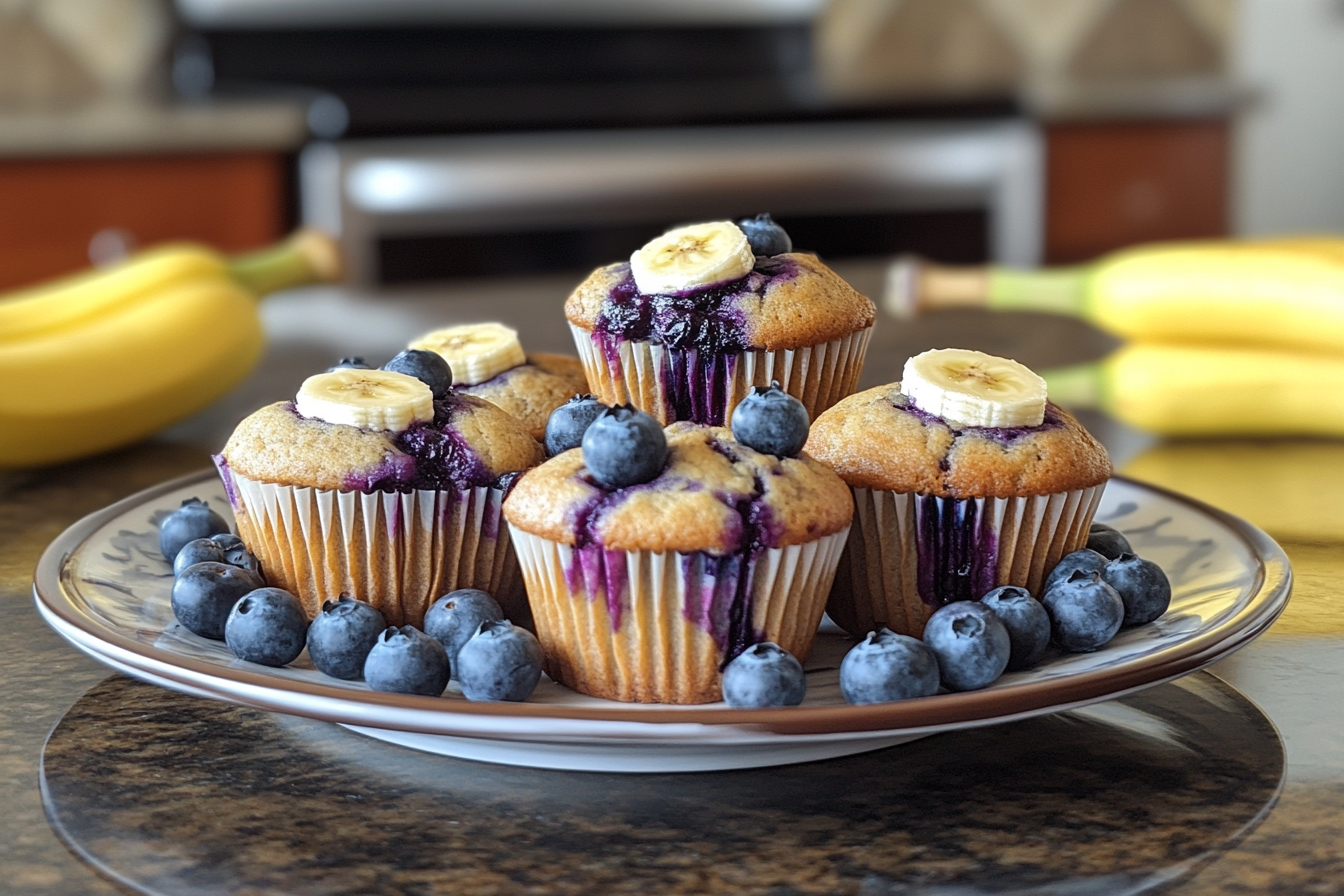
pixel 1293 674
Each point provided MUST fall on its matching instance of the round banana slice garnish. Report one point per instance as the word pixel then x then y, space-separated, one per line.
pixel 373 399
pixel 969 388
pixel 692 256
pixel 475 352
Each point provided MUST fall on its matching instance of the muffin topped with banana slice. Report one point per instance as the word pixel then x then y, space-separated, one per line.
pixel 376 430
pixel 965 477
pixel 487 360
pixel 701 314
pixel 381 485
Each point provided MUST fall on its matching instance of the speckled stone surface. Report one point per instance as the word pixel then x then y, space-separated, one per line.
pixel 177 795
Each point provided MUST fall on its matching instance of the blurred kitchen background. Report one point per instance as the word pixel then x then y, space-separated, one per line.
pixel 468 153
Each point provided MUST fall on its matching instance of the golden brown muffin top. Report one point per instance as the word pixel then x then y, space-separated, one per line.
pixel 469 443
pixel 788 301
pixel 531 391
pixel 714 495
pixel 879 439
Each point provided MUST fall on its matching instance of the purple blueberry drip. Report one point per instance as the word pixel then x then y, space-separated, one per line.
pixel 701 331
pixel 435 456
pixel 957 550
pixel 1002 434
pixel 718 588
pixel 226 476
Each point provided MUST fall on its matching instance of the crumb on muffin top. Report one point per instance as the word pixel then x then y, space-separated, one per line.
pixel 713 495
pixel 469 443
pixel 531 391
pixel 788 301
pixel 879 439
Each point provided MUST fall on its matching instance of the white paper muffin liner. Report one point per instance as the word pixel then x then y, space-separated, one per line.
pixel 399 551
pixel 818 375
pixel 650 642
pixel 1016 541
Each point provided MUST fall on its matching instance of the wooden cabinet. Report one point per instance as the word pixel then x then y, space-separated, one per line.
pixel 50 209
pixel 1113 184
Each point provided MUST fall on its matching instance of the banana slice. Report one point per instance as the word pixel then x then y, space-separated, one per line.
pixel 696 255
pixel 475 352
pixel 373 399
pixel 969 388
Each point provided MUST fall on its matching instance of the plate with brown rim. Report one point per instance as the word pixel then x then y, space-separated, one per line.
pixel 104 586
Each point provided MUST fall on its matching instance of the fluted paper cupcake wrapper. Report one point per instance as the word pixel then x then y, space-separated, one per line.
pixel 665 632
pixel 909 554
pixel 399 551
pixel 675 384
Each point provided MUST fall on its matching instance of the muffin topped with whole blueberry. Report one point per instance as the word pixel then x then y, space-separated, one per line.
pixel 674 550
pixel 384 485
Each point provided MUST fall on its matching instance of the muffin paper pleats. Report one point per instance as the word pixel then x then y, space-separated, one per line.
pixel 666 633
pixel 909 554
pixel 398 551
pixel 679 384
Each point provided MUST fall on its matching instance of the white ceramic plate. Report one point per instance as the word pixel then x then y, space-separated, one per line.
pixel 104 586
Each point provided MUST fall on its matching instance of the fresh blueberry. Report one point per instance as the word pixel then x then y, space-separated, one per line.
pixel 354 362
pixel 205 593
pixel 1085 612
pixel 765 236
pixel 340 638
pixel 971 643
pixel 1086 559
pixel 428 367
pixel 771 421
pixel 267 626
pixel 456 616
pixel 567 423
pixel 198 550
pixel 501 661
pixel 407 661
pixel 1107 541
pixel 1143 587
pixel 764 674
pixel 624 446
pixel 193 520
pixel 887 666
pixel 1027 622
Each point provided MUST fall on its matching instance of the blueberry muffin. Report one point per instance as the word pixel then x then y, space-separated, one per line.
pixel 965 477
pixel 643 591
pixel 698 316
pixel 487 360
pixel 532 390
pixel 368 485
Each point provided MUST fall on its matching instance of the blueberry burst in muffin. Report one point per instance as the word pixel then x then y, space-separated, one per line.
pixel 698 316
pixel 653 557
pixel 965 477
pixel 368 484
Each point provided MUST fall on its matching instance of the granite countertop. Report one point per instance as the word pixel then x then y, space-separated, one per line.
pixel 113 785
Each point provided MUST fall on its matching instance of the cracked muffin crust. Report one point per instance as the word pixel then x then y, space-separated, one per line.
pixel 878 439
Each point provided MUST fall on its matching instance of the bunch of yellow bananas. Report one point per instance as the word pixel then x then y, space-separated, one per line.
pixel 107 357
pixel 1224 337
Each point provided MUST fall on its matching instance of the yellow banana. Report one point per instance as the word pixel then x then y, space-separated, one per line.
pixel 105 358
pixel 1188 390
pixel 1287 291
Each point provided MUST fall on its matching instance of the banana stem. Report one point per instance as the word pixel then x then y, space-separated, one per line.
pixel 306 256
pixel 1078 386
pixel 1059 290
